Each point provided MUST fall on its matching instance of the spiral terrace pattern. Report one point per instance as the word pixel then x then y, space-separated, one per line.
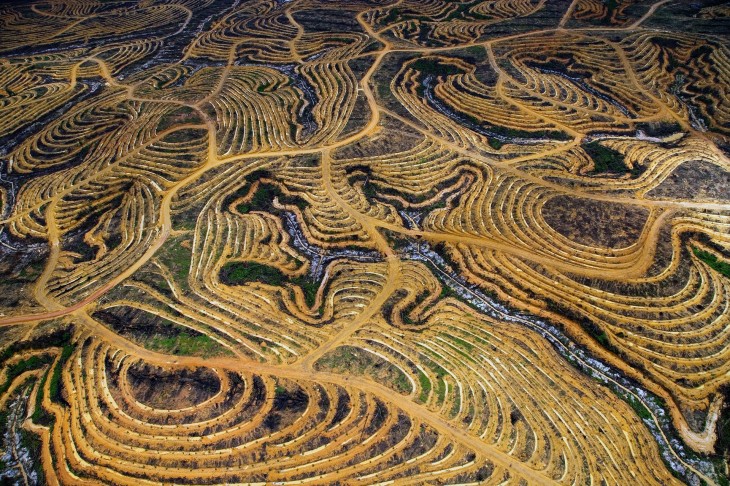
pixel 410 242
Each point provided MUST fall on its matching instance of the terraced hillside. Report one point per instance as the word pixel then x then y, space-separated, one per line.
pixel 365 242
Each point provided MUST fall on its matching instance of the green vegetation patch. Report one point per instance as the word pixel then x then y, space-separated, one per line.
pixel 160 334
pixel 263 199
pixel 185 344
pixel 593 329
pixel 440 373
pixel 177 257
pixel 425 386
pixel 358 361
pixel 435 67
pixel 14 371
pixel 605 159
pixel 239 273
pixel 713 262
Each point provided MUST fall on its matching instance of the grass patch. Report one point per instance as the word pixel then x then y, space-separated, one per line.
pixel 185 344
pixel 40 416
pixel 462 344
pixel 358 361
pixel 711 260
pixel 177 259
pixel 425 386
pixel 239 273
pixel 308 286
pixel 440 374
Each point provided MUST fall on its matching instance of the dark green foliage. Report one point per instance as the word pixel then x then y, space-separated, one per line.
pixel 57 338
pixel 589 326
pixel 55 386
pixel 40 416
pixel 308 286
pixel 611 7
pixel 495 143
pixel 32 363
pixel 435 67
pixel 239 273
pixel 185 344
pixel 263 199
pixel 369 190
pixel 425 386
pixel 446 291
pixel 605 159
pixel 711 260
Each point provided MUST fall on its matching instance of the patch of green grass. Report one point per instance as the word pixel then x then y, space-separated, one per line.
pixel 239 273
pixel 425 386
pixel 711 260
pixel 185 344
pixel 359 361
pixel 177 258
pixel 447 291
pixel 308 286
pixel 440 391
pixel 440 374
pixel 463 344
